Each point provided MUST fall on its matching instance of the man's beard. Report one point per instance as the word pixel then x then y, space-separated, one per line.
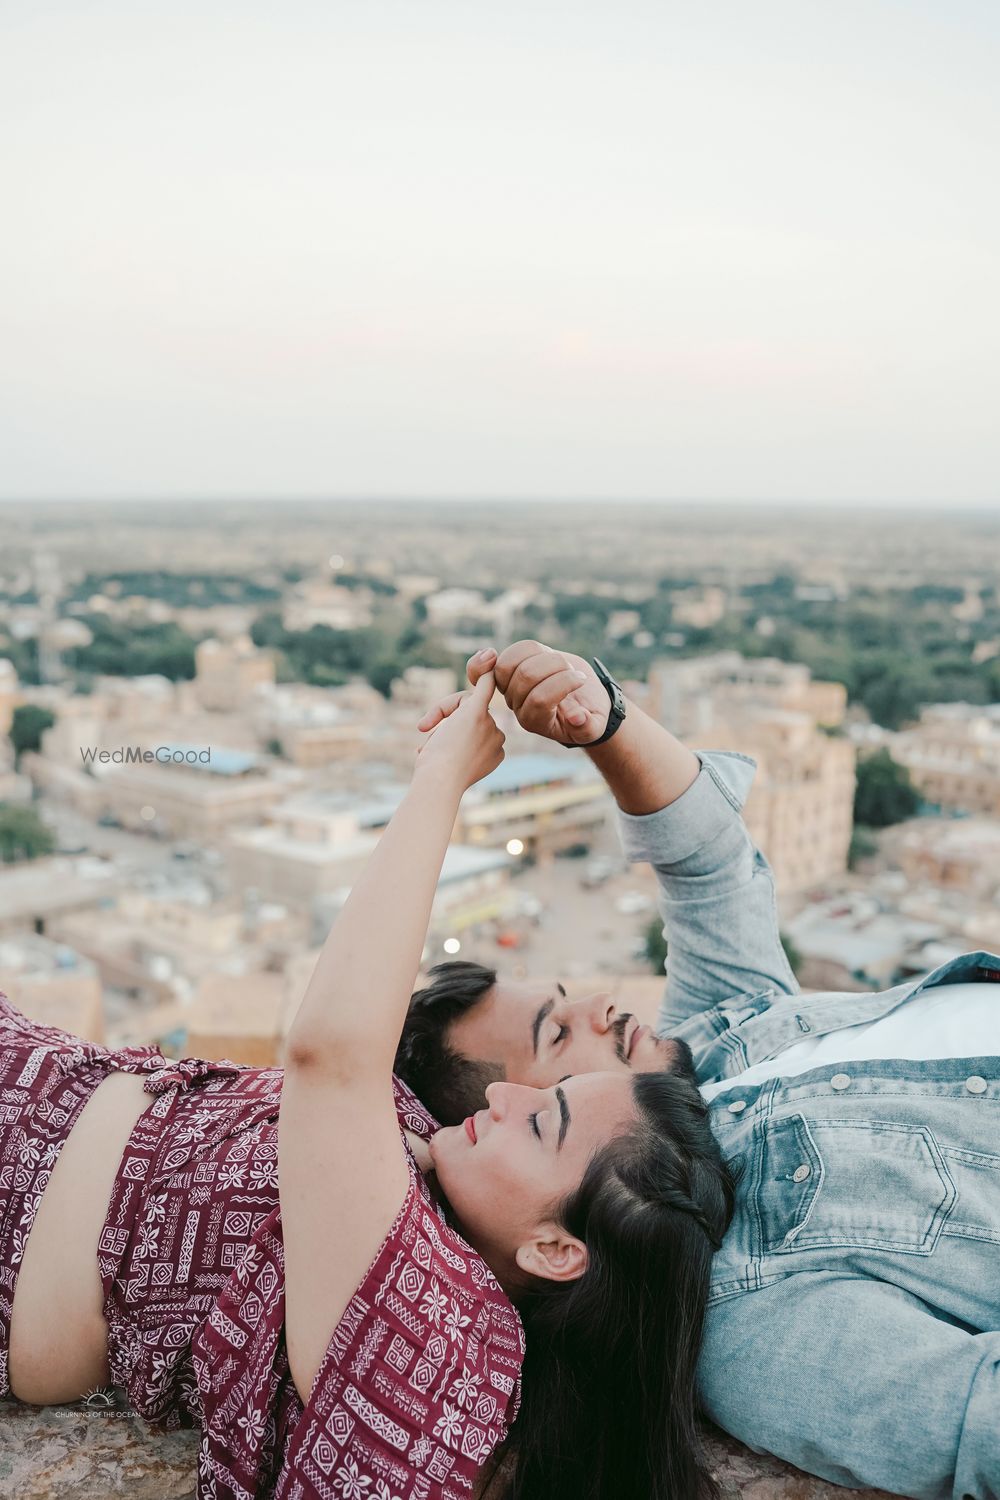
pixel 679 1059
pixel 677 1056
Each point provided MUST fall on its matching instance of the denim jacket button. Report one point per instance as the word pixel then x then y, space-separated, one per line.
pixel 976 1085
pixel 737 1107
pixel 800 1174
pixel 840 1081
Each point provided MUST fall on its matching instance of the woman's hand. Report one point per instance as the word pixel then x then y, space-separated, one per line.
pixel 466 744
pixel 553 693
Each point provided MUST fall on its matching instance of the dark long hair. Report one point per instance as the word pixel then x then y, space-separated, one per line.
pixel 608 1403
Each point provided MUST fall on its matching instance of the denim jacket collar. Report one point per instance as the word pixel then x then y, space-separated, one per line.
pixel 748 1029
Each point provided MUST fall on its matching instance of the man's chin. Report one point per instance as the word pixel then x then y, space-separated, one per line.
pixel 654 1054
pixel 649 1054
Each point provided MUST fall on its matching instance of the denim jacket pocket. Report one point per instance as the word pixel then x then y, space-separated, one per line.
pixel 871 1184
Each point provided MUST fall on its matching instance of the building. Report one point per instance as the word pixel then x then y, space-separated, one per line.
pixel 856 940
pixel 53 984
pixel 320 601
pixel 314 846
pixel 317 726
pixel 691 695
pixel 240 1017
pixel 473 893
pixel 227 673
pixel 698 608
pixel 953 756
pixel 800 810
pixel 158 945
pixel 952 854
pixel 182 795
pixel 535 804
pixel 309 846
pixel 34 894
pixel 419 688
pixel 118 713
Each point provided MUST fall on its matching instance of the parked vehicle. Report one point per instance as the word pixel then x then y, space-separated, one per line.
pixel 598 871
pixel 632 903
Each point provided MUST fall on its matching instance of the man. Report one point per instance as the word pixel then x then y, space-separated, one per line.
pixel 854 1318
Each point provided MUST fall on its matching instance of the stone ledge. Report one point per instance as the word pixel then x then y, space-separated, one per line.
pixel 89 1453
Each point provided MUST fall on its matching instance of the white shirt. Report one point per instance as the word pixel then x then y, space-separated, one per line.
pixel 948 1020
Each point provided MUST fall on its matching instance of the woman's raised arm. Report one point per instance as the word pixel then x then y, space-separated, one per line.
pixel 354 1006
pixel 342 1171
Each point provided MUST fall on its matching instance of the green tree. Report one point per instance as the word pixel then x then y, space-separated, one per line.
pixel 27 727
pixel 656 944
pixel 863 845
pixel 884 794
pixel 791 953
pixel 23 835
pixel 896 696
pixel 134 648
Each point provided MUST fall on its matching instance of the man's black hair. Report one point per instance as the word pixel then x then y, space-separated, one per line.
pixel 448 1084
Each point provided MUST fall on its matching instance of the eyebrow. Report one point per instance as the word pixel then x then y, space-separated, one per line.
pixel 564 1117
pixel 543 1011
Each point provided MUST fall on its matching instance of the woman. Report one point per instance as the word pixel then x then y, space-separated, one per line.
pixel 273 1265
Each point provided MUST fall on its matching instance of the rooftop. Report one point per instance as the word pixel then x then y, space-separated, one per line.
pixel 519 771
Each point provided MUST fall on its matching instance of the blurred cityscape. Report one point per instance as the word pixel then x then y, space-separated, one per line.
pixel 208 713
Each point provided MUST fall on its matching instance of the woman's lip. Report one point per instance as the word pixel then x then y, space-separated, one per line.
pixel 470 1129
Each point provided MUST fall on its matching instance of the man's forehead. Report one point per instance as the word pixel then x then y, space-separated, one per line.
pixel 507 1016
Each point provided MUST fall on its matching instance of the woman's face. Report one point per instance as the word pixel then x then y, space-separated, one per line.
pixel 506 1168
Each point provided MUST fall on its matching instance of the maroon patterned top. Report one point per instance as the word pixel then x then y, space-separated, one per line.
pixel 421 1378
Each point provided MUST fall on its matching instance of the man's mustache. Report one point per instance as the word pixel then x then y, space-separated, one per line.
pixel 619 1026
pixel 678 1056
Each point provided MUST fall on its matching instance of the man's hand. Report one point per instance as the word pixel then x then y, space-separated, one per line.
pixel 553 693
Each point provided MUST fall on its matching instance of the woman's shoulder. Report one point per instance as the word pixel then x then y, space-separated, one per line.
pixel 428 1299
pixel 421 1375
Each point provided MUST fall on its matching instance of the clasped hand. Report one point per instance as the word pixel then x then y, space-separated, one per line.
pixel 553 693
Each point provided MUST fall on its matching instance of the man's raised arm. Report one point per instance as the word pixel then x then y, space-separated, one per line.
pixel 677 810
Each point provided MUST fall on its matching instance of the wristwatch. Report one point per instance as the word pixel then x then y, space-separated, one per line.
pixel 615 717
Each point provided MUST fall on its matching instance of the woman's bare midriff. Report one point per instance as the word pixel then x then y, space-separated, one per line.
pixel 58 1336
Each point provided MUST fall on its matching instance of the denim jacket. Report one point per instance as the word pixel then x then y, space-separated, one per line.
pixel 853 1325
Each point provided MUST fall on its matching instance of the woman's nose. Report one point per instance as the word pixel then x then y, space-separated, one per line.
pixel 497 1099
pixel 501 1097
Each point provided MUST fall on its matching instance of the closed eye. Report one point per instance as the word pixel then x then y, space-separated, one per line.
pixel 533 1122
pixel 560 1035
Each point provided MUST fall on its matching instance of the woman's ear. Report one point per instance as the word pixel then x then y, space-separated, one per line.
pixel 552 1255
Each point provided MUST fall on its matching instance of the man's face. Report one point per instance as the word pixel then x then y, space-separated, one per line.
pixel 540 1036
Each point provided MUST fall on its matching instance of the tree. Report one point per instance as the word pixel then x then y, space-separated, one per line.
pixel 23 835
pixel 656 944
pixel 132 648
pixel 27 727
pixel 791 953
pixel 864 845
pixel 884 794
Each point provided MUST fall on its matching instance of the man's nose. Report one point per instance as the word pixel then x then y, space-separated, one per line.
pixel 601 1011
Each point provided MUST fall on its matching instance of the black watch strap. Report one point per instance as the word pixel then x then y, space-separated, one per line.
pixel 615 717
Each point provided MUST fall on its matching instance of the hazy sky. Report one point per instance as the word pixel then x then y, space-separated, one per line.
pixel 441 248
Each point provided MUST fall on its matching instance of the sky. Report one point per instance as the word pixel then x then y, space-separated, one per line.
pixel 636 250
